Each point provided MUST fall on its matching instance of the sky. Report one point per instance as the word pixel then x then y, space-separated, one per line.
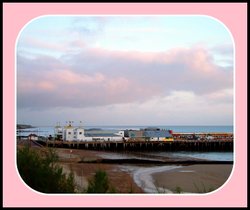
pixel 125 70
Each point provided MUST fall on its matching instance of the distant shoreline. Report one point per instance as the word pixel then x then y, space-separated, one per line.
pixel 24 126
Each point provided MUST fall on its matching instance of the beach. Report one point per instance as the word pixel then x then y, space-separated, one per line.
pixel 193 178
pixel 120 180
pixel 144 178
pixel 136 173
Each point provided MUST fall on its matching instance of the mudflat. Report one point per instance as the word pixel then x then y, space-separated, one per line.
pixel 200 178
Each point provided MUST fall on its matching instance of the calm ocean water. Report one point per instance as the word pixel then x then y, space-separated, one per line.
pixel 49 130
pixel 219 156
pixel 182 129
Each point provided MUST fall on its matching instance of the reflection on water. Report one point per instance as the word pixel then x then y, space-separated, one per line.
pixel 220 156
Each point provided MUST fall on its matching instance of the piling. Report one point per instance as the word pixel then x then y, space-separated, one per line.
pixel 189 145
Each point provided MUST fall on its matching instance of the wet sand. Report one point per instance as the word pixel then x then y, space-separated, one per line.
pixel 144 178
pixel 193 178
pixel 120 180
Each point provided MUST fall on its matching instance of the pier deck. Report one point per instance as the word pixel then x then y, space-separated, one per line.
pixel 176 145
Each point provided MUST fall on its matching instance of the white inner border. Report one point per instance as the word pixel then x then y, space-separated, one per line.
pixel 132 194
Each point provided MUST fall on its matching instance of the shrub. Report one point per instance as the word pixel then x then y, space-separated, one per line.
pixel 178 189
pixel 99 183
pixel 41 172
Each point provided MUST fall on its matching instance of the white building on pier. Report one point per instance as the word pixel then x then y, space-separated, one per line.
pixel 69 133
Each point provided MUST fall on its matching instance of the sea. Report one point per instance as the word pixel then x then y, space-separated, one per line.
pixel 49 130
pixel 221 156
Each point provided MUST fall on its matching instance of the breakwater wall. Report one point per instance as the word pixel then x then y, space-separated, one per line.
pixel 146 146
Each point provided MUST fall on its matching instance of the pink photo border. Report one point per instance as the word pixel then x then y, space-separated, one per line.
pixel 17 194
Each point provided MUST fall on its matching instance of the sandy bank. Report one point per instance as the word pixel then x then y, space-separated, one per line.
pixel 143 178
pixel 194 178
pixel 120 180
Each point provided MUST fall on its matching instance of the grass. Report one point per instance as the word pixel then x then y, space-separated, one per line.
pixel 203 189
pixel 179 190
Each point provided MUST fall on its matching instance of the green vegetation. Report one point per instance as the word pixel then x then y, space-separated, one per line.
pixel 203 190
pixel 178 189
pixel 100 183
pixel 159 189
pixel 41 172
pixel 131 189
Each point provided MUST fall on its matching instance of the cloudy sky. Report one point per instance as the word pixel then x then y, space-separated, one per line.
pixel 125 70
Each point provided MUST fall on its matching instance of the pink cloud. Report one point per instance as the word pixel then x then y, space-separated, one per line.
pixel 120 85
pixel 46 85
pixel 98 77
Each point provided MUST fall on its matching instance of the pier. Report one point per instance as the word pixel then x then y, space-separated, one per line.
pixel 176 145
